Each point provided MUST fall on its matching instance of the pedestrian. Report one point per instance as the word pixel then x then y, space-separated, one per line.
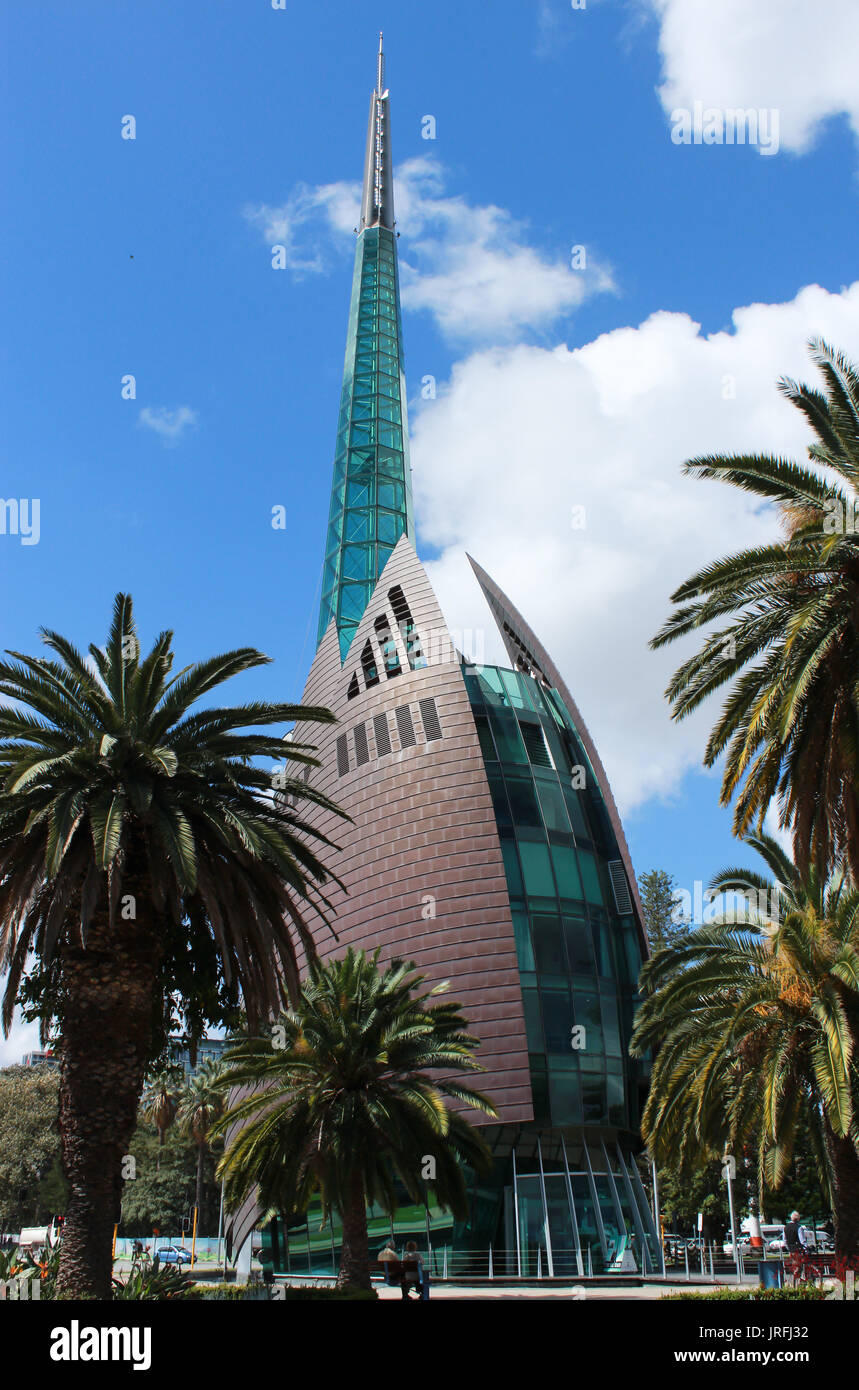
pixel 791 1234
pixel 413 1270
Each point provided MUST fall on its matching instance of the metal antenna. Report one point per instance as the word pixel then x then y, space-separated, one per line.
pixel 380 74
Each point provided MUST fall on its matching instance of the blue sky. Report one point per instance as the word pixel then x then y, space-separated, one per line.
pixel 152 257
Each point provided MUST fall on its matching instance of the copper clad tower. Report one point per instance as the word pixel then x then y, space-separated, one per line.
pixel 485 844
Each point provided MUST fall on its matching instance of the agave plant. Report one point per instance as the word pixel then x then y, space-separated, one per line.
pixel 148 866
pixel 154 1285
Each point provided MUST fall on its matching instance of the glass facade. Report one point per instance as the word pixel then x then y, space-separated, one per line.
pixel 371 499
pixel 551 1207
pixel 564 1198
pixel 579 957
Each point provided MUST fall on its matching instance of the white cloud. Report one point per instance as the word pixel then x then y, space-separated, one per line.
pixel 335 208
pixel 469 266
pixel 169 425
pixel 521 435
pixel 23 1037
pixel 796 57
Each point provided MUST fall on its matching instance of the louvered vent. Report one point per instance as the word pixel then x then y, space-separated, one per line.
pixel 383 735
pixel 342 756
pixel 429 715
pixel 620 887
pixel 535 744
pixel 405 727
pixel 362 750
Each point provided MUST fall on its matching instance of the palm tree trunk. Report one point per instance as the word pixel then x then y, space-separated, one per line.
pixel 201 1154
pixel 844 1174
pixel 106 1026
pixel 355 1255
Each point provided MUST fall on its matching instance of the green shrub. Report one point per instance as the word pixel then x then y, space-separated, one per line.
pixel 753 1294
pixel 286 1293
pixel 149 1286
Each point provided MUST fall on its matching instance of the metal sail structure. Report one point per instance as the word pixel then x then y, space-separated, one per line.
pixel 371 493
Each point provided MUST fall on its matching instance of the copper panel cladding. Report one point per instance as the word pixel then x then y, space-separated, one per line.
pixel 424 839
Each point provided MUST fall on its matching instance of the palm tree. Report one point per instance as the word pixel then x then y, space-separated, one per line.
pixel 148 866
pixel 754 1020
pixel 349 1095
pixel 199 1108
pixel 789 728
pixel 159 1103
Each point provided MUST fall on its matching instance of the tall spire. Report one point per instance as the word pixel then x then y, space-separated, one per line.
pixel 377 204
pixel 371 495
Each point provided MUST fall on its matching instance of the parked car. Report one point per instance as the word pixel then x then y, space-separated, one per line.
pixel 777 1245
pixel 173 1255
pixel 728 1247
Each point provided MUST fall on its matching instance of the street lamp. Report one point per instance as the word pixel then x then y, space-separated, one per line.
pixel 729 1172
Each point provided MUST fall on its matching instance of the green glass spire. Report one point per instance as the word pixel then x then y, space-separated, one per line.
pixel 371 493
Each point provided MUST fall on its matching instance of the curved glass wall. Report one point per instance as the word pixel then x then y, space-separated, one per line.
pixel 579 955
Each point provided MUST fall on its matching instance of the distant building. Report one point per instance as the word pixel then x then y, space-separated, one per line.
pixel 208 1050
pixel 39 1059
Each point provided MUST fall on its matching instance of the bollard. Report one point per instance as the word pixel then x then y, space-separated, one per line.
pixel 686 1256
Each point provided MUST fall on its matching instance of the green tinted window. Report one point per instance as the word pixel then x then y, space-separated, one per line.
pixel 611 1025
pixel 540 1094
pixel 557 1019
pixel 522 932
pixel 515 693
pixel 576 813
pixel 579 948
pixel 552 803
pixel 602 941
pixel 549 946
pixel 565 1096
pixel 615 1094
pixel 523 801
pixel 484 733
pixel 594 1104
pixel 566 872
pixel 511 866
pixel 590 877
pixel 533 1029
pixel 536 869
pixel 499 800
pixel 508 739
pixel 587 1010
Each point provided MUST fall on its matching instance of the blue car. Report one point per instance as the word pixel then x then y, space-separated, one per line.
pixel 174 1255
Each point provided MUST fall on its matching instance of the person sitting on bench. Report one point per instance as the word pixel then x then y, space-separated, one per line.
pixel 390 1262
pixel 413 1270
